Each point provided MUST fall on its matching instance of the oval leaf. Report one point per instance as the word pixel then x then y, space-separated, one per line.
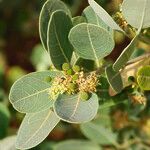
pixel 88 42
pixel 30 93
pixel 143 78
pixel 104 15
pixel 35 128
pixel 137 11
pixel 98 133
pixel 48 8
pixel 77 145
pixel 72 109
pixel 59 46
pixel 114 79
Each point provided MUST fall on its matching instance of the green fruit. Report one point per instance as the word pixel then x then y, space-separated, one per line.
pixel 72 86
pixel 84 95
pixel 76 68
pixel 75 77
pixel 48 79
pixel 69 72
pixel 65 66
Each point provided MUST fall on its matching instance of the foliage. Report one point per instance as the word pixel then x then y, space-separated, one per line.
pixel 46 97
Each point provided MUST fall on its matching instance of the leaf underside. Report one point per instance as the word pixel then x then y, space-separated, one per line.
pixel 72 109
pixel 35 128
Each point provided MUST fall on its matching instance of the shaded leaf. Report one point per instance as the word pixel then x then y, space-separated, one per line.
pixel 143 78
pixel 48 8
pixel 77 20
pixel 104 15
pixel 137 11
pixel 76 145
pixel 114 79
pixel 72 109
pixel 88 42
pixel 92 18
pixel 30 93
pixel 4 120
pixel 35 128
pixel 105 100
pixel 59 46
pixel 98 134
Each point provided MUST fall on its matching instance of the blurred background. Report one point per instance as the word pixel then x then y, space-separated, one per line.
pixel 21 52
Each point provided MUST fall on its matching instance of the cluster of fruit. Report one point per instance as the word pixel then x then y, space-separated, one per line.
pixel 74 81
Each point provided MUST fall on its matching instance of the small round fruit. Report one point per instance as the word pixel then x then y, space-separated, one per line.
pixel 76 68
pixel 48 79
pixel 65 66
pixel 75 77
pixel 69 72
pixel 72 86
pixel 84 95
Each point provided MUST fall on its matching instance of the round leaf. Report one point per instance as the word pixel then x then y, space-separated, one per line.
pixel 29 94
pixel 72 109
pixel 91 41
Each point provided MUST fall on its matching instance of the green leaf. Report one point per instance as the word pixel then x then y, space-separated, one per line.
pixel 88 42
pixel 125 55
pixel 35 128
pixel 59 46
pixel 77 20
pixel 76 145
pixel 4 120
pixel 98 134
pixel 30 93
pixel 143 78
pixel 72 109
pixel 8 143
pixel 104 15
pixel 48 8
pixel 114 79
pixel 137 11
pixel 92 18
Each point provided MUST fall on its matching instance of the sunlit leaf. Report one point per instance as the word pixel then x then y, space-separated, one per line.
pixel 137 11
pixel 88 42
pixel 59 46
pixel 72 108
pixel 93 18
pixel 8 143
pixel 30 93
pixel 104 15
pixel 35 128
